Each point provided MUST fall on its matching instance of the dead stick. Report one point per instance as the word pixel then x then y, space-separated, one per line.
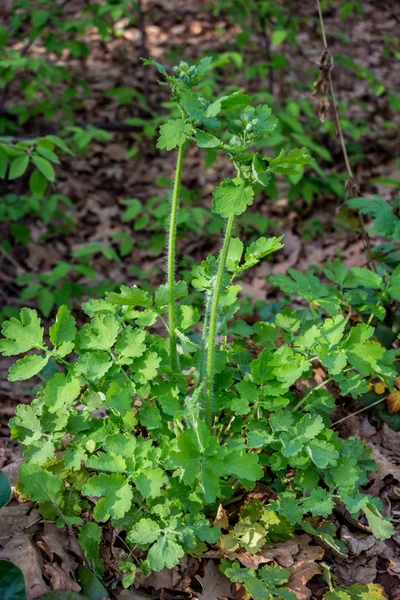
pixel 352 182
pixel 358 411
pixel 143 47
pixel 72 533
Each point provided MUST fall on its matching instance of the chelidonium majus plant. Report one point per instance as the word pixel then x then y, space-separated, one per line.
pixel 153 432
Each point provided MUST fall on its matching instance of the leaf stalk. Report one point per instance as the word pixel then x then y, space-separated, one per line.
pixel 212 329
pixel 171 254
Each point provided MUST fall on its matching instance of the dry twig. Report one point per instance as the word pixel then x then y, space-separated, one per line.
pixel 322 87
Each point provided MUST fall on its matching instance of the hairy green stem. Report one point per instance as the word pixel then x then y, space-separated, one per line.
pixel 212 329
pixel 204 338
pixel 171 259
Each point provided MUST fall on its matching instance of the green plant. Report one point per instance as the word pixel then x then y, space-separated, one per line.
pixel 152 433
pixel 385 224
pixel 43 87
pixel 386 252
pixel 266 583
pixel 39 153
pixel 60 285
pixel 314 229
pixel 12 580
pixel 14 208
pixel 34 159
pixel 60 33
pixel 370 591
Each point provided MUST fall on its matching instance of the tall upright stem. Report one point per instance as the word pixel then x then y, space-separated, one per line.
pixel 204 338
pixel 212 330
pixel 171 259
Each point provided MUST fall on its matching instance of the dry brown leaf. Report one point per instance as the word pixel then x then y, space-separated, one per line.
pixel 261 492
pixel 178 578
pixel 57 542
pixel 221 520
pixel 393 401
pixel 356 542
pixel 250 561
pixel 12 470
pixel 296 555
pixel 59 579
pixel 360 570
pixel 115 151
pixel 394 567
pixel 239 593
pixel 322 85
pixel 22 553
pixel 215 584
pixel 283 553
pixel 18 517
pixel 354 254
pixel 304 567
pixel 164 579
pixel 386 453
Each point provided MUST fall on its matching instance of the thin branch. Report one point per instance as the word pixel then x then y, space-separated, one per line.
pixel 12 260
pixel 326 68
pixel 380 255
pixel 143 47
pixel 72 533
pixel 321 20
pixel 358 411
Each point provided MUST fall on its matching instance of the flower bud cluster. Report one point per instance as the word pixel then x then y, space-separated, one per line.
pixel 246 124
pixel 186 74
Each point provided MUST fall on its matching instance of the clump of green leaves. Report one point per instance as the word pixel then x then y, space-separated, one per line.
pixel 40 154
pixel 385 224
pixel 370 591
pixel 264 583
pixel 269 583
pixel 47 86
pixel 151 432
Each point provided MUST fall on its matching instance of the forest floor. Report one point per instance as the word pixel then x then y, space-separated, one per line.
pixel 97 183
